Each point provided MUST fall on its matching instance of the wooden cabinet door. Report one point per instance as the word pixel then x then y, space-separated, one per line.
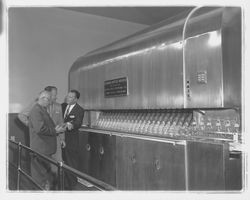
pixel 206 165
pixel 165 169
pixel 127 176
pixel 94 160
pixel 149 165
pixel 84 152
pixel 107 158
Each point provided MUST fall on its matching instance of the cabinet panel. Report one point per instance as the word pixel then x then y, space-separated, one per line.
pixel 84 152
pixel 125 160
pixel 148 165
pixel 234 171
pixel 206 165
pixel 166 169
pixel 97 156
pixel 107 159
pixel 94 160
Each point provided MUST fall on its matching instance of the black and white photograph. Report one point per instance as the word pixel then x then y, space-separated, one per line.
pixel 131 99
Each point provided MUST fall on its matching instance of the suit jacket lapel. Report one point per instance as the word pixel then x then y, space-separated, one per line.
pixel 72 111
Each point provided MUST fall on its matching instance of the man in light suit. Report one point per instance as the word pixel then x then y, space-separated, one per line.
pixel 55 111
pixel 43 133
pixel 73 116
pixel 23 116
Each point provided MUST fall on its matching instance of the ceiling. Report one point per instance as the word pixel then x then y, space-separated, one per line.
pixel 141 15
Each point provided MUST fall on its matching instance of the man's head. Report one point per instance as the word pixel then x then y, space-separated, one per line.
pixel 44 98
pixel 72 97
pixel 53 91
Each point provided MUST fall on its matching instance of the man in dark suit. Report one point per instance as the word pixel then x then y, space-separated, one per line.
pixel 43 134
pixel 73 116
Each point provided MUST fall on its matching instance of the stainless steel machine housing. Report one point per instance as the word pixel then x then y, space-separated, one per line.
pixel 190 61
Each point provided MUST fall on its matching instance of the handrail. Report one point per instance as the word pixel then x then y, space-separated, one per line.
pixel 31 179
pixel 98 184
pixel 61 168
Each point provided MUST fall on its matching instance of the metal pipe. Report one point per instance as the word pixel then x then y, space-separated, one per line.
pixel 41 155
pixel 18 165
pixel 31 179
pixel 97 183
pixel 184 55
pixel 61 176
pixel 186 168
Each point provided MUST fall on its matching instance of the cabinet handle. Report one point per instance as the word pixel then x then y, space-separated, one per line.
pixel 88 147
pixel 157 165
pixel 101 150
pixel 133 159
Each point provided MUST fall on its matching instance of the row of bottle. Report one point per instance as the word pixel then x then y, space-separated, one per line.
pixel 144 123
pixel 171 124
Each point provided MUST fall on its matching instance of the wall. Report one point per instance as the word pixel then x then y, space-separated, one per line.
pixel 44 42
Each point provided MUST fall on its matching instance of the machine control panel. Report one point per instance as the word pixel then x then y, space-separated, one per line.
pixel 202 77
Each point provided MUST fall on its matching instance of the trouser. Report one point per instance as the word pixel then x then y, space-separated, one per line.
pixel 58 155
pixel 71 158
pixel 41 172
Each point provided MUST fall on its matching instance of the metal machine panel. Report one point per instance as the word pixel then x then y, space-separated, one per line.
pixel 151 62
pixel 158 64
pixel 231 54
pixel 151 76
pixel 183 83
pixel 167 67
pixel 203 71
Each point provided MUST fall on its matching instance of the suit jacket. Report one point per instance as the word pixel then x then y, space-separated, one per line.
pixel 55 112
pixel 23 116
pixel 42 131
pixel 75 117
pixel 64 106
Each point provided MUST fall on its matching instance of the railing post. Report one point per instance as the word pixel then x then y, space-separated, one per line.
pixel 19 165
pixel 61 176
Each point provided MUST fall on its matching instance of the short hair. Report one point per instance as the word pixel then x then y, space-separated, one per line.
pixel 43 93
pixel 77 94
pixel 50 88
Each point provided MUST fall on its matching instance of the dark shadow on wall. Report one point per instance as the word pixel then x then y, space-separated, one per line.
pixel 18 130
pixel 20 133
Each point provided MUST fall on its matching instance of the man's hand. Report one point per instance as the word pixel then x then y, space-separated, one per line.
pixel 60 128
pixel 63 144
pixel 70 126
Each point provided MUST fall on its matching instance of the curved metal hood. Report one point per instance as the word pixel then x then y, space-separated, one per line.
pixel 164 65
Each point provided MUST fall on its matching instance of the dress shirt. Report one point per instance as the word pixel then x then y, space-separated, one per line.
pixel 68 110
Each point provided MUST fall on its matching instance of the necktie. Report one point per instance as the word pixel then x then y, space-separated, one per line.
pixel 49 110
pixel 66 111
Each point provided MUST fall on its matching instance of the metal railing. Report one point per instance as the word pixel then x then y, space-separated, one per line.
pixel 61 168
